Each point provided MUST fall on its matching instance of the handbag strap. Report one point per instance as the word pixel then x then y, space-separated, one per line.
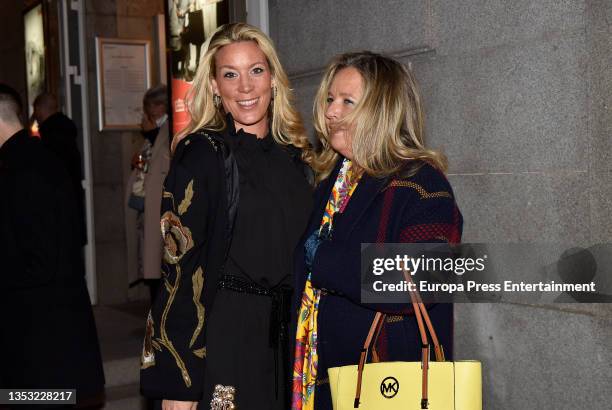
pixel 415 296
pixel 376 325
pixel 420 312
pixel 423 320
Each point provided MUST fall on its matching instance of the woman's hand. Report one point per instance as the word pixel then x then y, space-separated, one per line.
pixel 179 405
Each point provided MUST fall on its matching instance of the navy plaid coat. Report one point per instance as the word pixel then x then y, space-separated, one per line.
pixel 417 208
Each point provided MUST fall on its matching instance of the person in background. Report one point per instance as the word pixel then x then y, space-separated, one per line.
pixel 235 203
pixel 59 134
pixel 145 185
pixel 379 183
pixel 48 337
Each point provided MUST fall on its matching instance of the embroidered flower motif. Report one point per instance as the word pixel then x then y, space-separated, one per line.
pixel 186 202
pixel 177 238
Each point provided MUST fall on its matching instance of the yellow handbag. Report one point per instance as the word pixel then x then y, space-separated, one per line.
pixel 438 385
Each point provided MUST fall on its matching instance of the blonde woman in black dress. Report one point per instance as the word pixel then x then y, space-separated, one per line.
pixel 235 203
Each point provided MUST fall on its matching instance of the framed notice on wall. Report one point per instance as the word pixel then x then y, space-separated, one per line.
pixel 124 75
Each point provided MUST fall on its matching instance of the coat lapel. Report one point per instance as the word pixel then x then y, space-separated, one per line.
pixel 360 201
pixel 321 198
pixel 366 192
pixel 161 141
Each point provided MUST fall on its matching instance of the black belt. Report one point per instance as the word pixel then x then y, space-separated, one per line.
pixel 280 316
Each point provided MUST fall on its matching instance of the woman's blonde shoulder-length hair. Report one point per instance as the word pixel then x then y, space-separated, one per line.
pixel 387 121
pixel 286 123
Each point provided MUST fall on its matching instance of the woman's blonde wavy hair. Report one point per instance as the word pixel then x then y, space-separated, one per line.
pixel 387 121
pixel 286 123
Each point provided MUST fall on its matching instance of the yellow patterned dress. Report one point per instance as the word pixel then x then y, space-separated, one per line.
pixel 306 357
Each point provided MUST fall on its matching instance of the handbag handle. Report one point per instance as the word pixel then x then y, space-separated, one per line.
pixel 423 320
pixel 415 296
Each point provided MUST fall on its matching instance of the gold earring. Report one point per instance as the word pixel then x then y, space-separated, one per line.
pixel 216 100
pixel 273 92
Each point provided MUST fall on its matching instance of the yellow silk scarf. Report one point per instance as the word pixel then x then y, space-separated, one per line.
pixel 306 357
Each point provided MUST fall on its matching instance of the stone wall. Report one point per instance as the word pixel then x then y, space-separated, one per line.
pixel 518 95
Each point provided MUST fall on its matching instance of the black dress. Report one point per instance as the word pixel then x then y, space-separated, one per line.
pixel 275 202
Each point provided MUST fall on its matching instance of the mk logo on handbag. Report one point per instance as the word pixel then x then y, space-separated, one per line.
pixel 389 387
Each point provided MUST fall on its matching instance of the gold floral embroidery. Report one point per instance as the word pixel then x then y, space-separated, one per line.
pixel 168 195
pixel 198 284
pixel 177 238
pixel 164 340
pixel 186 202
pixel 201 353
pixel 148 356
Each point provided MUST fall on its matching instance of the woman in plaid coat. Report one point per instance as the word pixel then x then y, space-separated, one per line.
pixel 379 184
